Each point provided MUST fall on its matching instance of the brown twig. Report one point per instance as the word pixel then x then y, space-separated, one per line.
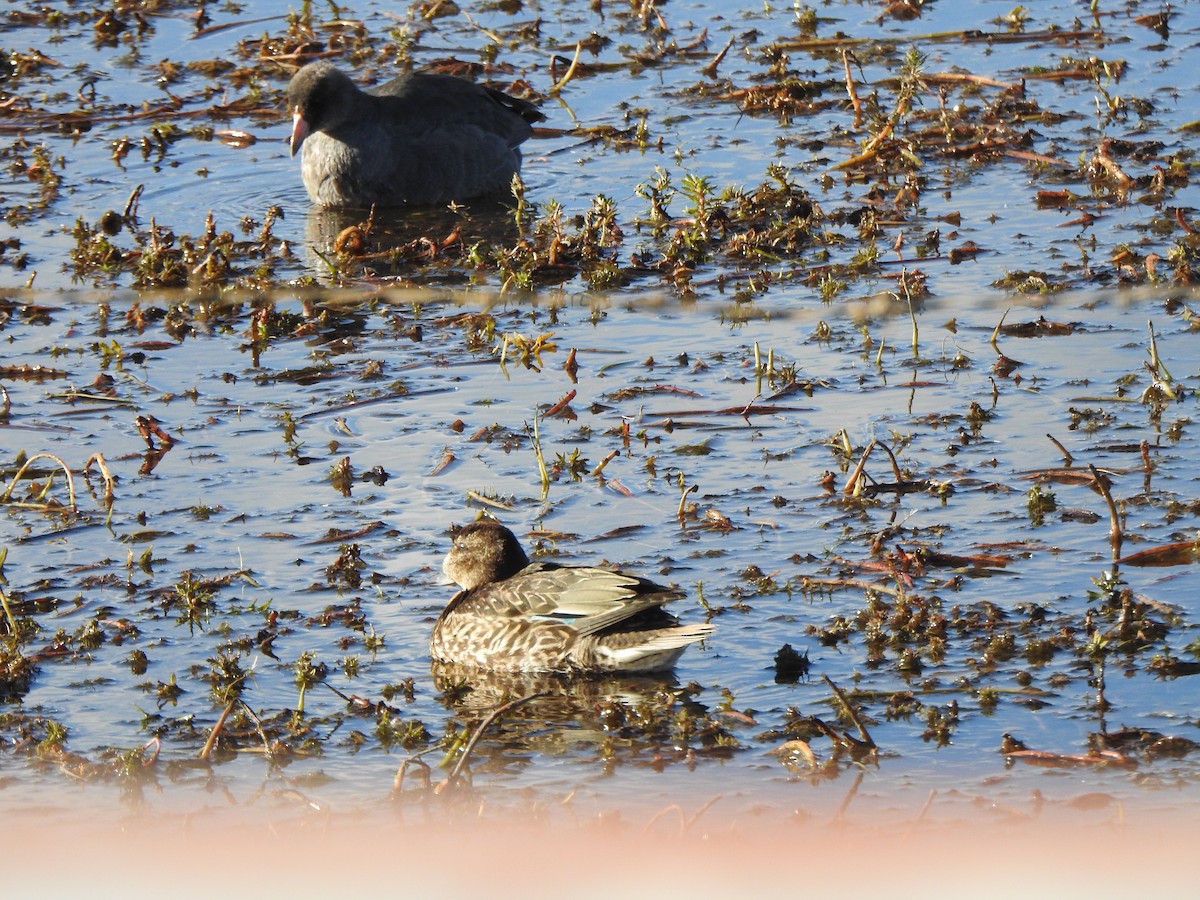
pixel 604 462
pixel 855 476
pixel 851 90
pixel 216 730
pixel 679 513
pixel 870 150
pixel 156 743
pixel 66 470
pixel 996 330
pixel 258 725
pixel 1066 454
pixel 447 458
pixel 895 465
pixel 414 760
pixel 1148 464
pixel 460 764
pixel 1183 223
pixel 851 712
pixel 560 405
pixel 109 481
pixel 562 82
pixel 1115 535
pixel 711 69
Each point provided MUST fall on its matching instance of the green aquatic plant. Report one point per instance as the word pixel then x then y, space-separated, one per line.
pixel 308 673
pixel 227 678
pixel 1039 502
pixel 194 600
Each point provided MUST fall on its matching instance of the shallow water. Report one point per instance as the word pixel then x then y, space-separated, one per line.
pixel 231 496
pixel 694 125
pixel 445 412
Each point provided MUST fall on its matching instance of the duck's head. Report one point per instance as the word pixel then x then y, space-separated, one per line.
pixel 483 552
pixel 317 96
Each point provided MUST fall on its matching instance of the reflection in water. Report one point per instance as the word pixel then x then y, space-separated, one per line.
pixel 639 719
pixel 363 242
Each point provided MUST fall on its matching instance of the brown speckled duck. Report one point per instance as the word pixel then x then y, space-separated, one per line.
pixel 513 615
pixel 421 138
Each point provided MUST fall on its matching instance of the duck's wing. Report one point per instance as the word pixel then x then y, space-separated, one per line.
pixel 523 108
pixel 427 102
pixel 586 599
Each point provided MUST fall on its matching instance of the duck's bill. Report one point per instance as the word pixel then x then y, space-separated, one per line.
pixel 299 131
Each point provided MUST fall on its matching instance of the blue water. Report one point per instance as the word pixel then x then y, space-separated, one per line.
pixel 271 503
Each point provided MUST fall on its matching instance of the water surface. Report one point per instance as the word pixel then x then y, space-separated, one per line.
pixel 747 384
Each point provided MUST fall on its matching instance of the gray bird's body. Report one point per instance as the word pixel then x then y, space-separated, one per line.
pixel 513 615
pixel 419 139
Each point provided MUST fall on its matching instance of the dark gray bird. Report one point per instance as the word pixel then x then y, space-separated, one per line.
pixel 418 139
pixel 513 615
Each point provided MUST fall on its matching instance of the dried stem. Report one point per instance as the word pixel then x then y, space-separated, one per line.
pixel 604 462
pixel 1161 374
pixel 562 82
pixel 70 479
pixel 851 712
pixel 8 615
pixel 257 724
pixel 851 90
pixel 996 330
pixel 536 439
pixel 852 483
pixel 895 465
pixel 711 69
pixel 414 760
pixel 109 481
pixel 488 501
pixel 1066 454
pixel 452 778
pixel 912 314
pixel 679 513
pixel 1114 534
pixel 216 730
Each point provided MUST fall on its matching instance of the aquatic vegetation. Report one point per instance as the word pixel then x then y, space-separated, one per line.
pixel 794 323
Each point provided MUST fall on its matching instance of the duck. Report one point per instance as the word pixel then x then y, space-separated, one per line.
pixel 517 616
pixel 420 139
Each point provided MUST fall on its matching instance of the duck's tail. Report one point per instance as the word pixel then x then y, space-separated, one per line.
pixel 645 651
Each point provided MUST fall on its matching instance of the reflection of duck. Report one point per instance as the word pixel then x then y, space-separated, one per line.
pixel 617 718
pixel 554 695
pixel 515 616
pixel 418 139
pixel 426 242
